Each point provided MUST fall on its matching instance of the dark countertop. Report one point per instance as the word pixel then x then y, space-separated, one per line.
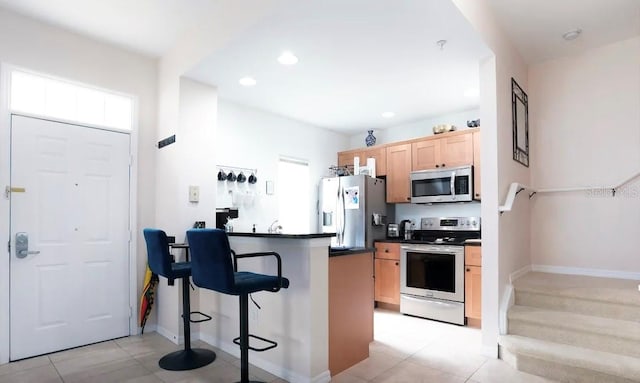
pixel 287 236
pixel 352 251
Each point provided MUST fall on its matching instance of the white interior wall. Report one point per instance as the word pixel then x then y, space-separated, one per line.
pixel 195 44
pixel 33 45
pixel 417 129
pixel 585 118
pixel 251 138
pixel 505 245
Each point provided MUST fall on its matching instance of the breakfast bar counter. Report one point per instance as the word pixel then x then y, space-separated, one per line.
pixel 296 318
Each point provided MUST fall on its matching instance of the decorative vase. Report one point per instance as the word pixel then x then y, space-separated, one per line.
pixel 370 140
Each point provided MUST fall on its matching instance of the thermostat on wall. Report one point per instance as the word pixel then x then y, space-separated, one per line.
pixel 270 187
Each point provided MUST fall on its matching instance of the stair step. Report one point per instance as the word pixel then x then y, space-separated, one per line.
pixel 566 363
pixel 602 297
pixel 597 333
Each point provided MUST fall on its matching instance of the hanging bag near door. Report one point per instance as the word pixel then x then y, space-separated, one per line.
pixel 148 296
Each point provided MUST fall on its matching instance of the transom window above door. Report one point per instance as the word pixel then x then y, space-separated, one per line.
pixel 57 99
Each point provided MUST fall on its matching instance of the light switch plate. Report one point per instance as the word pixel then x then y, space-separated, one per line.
pixel 270 187
pixel 194 193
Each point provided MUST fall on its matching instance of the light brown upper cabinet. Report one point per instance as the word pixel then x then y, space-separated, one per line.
pixel 477 192
pixel 398 169
pixel 444 152
pixel 378 152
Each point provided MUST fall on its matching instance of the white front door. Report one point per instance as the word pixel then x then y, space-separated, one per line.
pixel 70 196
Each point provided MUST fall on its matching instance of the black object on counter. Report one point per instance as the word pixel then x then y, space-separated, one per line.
pixel 223 215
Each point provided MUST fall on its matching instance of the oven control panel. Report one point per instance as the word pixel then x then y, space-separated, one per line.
pixel 450 223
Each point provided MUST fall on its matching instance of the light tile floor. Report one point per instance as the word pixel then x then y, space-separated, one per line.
pixel 405 350
pixel 415 350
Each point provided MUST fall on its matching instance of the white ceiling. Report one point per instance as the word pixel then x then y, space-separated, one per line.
pixel 358 58
pixel 536 26
pixel 147 26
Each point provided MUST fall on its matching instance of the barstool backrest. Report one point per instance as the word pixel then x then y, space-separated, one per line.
pixel 158 254
pixel 211 263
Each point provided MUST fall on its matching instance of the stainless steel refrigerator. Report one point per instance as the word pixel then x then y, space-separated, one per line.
pixel 353 207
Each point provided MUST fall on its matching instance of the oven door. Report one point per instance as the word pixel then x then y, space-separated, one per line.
pixel 450 185
pixel 432 271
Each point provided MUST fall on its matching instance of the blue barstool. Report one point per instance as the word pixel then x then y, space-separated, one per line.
pixel 215 267
pixel 161 263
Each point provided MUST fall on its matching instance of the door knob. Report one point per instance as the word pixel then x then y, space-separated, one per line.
pixel 22 245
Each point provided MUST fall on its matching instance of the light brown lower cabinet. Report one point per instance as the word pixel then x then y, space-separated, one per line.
pixel 350 310
pixel 387 273
pixel 473 285
pixel 387 281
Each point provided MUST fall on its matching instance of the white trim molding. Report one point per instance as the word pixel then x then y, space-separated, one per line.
pixel 508 300
pixel 519 273
pixel 602 273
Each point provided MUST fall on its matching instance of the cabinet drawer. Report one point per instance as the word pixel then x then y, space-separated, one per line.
pixel 473 255
pixel 388 250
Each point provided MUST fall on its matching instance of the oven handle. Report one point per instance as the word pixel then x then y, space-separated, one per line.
pixel 453 182
pixel 432 249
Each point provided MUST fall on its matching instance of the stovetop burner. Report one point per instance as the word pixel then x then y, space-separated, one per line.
pixel 447 231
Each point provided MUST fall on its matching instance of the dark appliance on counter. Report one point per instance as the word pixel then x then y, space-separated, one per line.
pixel 442 185
pixel 432 271
pixel 405 229
pixel 393 231
pixel 223 215
pixel 353 207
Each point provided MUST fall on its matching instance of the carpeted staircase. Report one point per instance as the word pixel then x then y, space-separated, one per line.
pixel 574 328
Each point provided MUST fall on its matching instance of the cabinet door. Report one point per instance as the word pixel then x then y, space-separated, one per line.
pixel 387 284
pixel 346 158
pixel 380 154
pixel 473 256
pixel 456 150
pixel 388 250
pixel 425 154
pixel 398 169
pixel 473 292
pixel 477 193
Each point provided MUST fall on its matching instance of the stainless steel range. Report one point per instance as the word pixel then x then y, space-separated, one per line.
pixel 432 268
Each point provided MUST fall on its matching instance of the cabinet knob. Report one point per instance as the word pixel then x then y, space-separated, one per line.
pixel 437 166
pixel 468 269
pixel 443 165
pixel 386 250
pixel 397 263
pixel 477 194
pixel 408 198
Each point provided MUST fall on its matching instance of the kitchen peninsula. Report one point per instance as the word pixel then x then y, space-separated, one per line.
pixel 296 318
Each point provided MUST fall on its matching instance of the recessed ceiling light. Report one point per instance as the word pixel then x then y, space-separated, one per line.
pixel 388 114
pixel 247 81
pixel 472 93
pixel 572 35
pixel 287 58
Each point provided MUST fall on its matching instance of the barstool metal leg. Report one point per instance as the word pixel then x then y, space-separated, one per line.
pixel 189 358
pixel 244 340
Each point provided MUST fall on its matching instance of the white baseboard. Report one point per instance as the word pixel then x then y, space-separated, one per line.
pixel 508 300
pixel 169 335
pixel 279 371
pixel 586 272
pixel 519 273
pixel 490 351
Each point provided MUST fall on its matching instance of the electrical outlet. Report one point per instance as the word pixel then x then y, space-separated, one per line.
pixel 194 193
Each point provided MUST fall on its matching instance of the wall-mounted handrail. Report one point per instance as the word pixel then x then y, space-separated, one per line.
pixel 515 189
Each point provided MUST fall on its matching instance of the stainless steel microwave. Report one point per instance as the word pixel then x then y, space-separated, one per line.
pixel 442 185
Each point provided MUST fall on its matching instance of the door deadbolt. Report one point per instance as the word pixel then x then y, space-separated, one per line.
pixel 22 245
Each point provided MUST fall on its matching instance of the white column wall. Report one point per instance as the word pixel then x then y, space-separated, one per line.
pixel 505 244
